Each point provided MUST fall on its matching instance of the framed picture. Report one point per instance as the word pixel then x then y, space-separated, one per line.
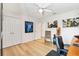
pixel 71 22
pixel 28 27
pixel 53 25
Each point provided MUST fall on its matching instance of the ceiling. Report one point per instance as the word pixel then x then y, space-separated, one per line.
pixel 32 9
pixel 58 8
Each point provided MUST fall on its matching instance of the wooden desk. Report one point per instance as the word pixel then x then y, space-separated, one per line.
pixel 73 50
pixel 77 36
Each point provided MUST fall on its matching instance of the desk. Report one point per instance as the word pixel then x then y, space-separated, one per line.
pixel 74 50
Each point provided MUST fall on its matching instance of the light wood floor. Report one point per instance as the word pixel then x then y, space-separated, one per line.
pixel 32 48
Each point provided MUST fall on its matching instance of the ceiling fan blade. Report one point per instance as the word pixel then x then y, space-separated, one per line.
pixel 47 10
pixel 43 5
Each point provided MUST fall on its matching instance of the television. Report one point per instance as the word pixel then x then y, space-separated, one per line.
pixel 28 27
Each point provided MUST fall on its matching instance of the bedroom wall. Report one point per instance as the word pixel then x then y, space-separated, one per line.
pixel 36 34
pixel 67 33
pixel 13 11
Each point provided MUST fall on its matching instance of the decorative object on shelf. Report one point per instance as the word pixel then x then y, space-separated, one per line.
pixel 53 25
pixel 28 27
pixel 71 22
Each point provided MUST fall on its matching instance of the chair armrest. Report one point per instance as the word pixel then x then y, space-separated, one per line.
pixel 64 50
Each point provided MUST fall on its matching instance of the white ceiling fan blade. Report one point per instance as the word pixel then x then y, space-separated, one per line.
pixel 42 5
pixel 47 10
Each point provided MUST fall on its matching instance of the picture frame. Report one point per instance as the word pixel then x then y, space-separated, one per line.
pixel 28 27
pixel 53 25
pixel 71 22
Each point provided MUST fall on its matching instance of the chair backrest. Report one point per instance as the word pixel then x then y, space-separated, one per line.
pixel 54 39
pixel 59 42
pixel 54 36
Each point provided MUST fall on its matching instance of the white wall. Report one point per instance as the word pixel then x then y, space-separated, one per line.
pixel 36 34
pixel 38 29
pixel 67 33
pixel 13 11
pixel 11 24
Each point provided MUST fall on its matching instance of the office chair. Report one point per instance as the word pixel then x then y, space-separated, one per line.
pixel 60 46
pixel 54 39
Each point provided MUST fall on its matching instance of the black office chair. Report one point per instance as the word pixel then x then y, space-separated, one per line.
pixel 60 46
pixel 54 39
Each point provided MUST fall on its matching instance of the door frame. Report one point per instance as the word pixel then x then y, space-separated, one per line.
pixel 1 29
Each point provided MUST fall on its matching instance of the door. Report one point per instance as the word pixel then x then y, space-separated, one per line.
pixel 12 31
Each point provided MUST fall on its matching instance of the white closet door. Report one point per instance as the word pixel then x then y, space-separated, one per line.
pixel 12 31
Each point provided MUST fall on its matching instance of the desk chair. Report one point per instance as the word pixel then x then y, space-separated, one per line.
pixel 54 39
pixel 60 46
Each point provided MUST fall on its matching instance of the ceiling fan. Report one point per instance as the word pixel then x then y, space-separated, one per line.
pixel 43 9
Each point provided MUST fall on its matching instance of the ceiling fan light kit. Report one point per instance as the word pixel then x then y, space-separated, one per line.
pixel 43 9
pixel 40 10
